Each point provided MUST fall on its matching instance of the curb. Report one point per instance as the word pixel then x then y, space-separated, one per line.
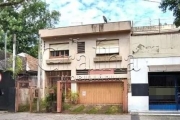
pixel 1 112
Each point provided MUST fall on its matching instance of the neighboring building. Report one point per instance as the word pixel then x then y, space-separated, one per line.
pixel 92 56
pixel 7 83
pixel 156 86
pixel 29 63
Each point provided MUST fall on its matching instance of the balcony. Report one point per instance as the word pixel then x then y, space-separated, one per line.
pixel 58 61
pixel 108 58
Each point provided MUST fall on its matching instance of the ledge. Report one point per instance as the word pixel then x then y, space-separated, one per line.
pixel 108 58
pixel 58 61
pixel 87 29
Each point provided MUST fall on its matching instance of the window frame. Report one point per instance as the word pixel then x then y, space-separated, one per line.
pixel 55 52
pixel 103 54
pixel 84 47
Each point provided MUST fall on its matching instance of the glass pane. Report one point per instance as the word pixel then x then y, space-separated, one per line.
pixel 67 53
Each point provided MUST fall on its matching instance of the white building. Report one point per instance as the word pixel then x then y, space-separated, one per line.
pixel 155 85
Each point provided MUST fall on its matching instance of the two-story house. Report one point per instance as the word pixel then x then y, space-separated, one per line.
pixel 91 58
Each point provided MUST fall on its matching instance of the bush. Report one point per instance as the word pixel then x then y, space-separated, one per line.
pixel 74 97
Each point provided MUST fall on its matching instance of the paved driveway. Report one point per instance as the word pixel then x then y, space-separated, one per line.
pixel 45 116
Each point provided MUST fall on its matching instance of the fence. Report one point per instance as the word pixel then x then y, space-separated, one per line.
pixel 24 88
pixel 153 25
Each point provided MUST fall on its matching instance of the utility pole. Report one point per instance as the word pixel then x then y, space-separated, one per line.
pixel 5 48
pixel 39 74
pixel 14 54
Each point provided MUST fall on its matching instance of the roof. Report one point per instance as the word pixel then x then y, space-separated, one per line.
pixel 119 26
pixel 29 63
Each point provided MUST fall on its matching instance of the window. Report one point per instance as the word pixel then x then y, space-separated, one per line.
pixel 81 47
pixel 59 50
pixel 107 47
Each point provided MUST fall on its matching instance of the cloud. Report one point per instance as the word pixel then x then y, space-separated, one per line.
pixel 91 11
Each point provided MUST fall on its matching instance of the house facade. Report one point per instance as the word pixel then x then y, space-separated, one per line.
pixel 155 80
pixel 92 58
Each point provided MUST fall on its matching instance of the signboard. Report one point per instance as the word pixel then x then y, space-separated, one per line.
pixel 83 93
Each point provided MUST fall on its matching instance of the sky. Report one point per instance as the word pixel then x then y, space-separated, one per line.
pixel 75 12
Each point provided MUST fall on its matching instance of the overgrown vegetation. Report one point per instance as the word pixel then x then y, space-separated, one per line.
pixel 66 106
pixel 74 97
pixel 18 67
pixel 50 100
pixel 94 110
pixel 112 110
pixel 79 109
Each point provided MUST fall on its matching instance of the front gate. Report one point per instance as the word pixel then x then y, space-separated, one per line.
pixel 164 91
pixel 7 91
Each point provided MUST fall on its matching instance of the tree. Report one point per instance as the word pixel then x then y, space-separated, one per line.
pixel 25 20
pixel 10 2
pixel 172 5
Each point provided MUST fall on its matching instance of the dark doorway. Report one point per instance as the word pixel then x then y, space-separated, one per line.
pixel 164 90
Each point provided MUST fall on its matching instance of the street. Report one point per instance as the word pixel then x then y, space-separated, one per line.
pixel 57 116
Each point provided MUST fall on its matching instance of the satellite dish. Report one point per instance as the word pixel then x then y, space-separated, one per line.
pixel 104 18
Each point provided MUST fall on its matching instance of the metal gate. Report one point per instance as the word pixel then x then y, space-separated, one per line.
pixel 7 92
pixel 164 91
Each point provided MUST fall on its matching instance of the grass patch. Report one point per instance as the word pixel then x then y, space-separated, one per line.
pixel 79 109
pixel 112 110
pixel 23 108
pixel 66 106
pixel 94 110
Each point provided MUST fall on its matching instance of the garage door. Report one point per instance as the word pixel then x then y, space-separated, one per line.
pixel 101 93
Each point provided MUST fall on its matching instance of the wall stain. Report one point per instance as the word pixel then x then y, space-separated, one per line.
pixel 146 49
pixel 101 27
pixel 93 27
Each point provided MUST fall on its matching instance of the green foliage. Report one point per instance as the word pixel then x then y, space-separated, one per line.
pixel 66 106
pixel 74 97
pixel 112 110
pixel 172 5
pixel 18 67
pixel 25 21
pixel 23 108
pixel 94 110
pixel 10 2
pixel 50 98
pixel 79 109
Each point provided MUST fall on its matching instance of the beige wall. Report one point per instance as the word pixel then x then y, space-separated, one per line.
pixel 162 45
pixel 90 41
